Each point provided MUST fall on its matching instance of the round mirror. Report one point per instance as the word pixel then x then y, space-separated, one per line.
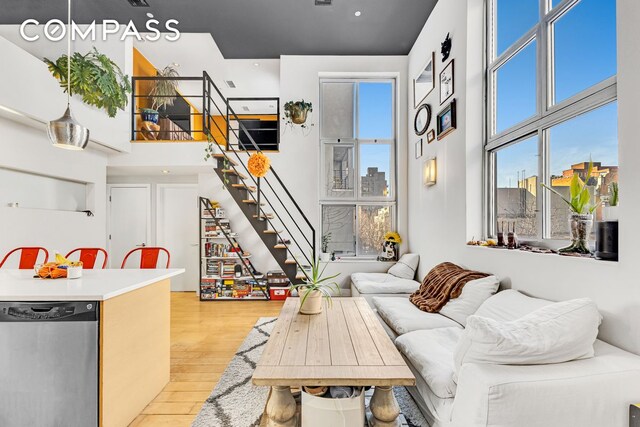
pixel 422 120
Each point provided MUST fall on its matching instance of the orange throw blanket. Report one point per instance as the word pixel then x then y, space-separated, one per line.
pixel 444 282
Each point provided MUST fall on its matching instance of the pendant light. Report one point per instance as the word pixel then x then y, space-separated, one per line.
pixel 66 132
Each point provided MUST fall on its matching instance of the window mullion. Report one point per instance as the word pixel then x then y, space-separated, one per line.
pixel 543 200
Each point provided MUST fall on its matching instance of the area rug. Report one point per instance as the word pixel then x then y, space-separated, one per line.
pixel 235 402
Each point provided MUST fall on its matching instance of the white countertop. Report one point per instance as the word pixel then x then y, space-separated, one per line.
pixel 94 285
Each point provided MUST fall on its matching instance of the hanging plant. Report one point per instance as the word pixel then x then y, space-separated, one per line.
pixel 258 165
pixel 295 112
pixel 96 78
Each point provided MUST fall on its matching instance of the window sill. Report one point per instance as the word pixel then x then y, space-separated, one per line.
pixel 549 255
pixel 356 260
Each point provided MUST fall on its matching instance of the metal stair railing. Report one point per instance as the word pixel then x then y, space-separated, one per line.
pixel 208 84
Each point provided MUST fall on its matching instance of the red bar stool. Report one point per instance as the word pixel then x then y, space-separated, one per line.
pixel 28 256
pixel 148 256
pixel 88 256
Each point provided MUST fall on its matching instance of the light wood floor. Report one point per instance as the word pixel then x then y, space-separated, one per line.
pixel 204 338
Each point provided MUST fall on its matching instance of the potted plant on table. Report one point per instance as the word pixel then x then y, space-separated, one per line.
pixel 581 216
pixel 314 288
pixel 325 255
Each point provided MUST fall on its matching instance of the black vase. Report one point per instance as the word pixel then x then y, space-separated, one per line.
pixel 607 240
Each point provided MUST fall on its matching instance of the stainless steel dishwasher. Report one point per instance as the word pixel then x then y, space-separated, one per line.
pixel 49 364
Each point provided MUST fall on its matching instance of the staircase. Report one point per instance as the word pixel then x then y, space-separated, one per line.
pixel 266 202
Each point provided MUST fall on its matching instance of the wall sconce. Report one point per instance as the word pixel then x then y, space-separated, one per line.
pixel 430 172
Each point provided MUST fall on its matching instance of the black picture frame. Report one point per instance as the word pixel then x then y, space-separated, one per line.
pixel 418 147
pixel 446 121
pixel 431 136
pixel 420 124
pixel 422 87
pixel 446 81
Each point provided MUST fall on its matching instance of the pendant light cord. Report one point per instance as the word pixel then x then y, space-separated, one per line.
pixel 69 55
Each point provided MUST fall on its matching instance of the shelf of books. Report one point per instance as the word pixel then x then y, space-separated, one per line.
pixel 226 271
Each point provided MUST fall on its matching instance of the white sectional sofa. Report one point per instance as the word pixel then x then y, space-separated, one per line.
pixel 397 281
pixel 590 392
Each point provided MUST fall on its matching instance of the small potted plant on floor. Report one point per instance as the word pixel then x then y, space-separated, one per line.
pixel 581 216
pixel 325 255
pixel 314 288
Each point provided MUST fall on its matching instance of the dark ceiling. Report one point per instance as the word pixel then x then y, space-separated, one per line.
pixel 259 28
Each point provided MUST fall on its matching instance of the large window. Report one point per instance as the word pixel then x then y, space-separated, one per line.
pixel 551 108
pixel 358 173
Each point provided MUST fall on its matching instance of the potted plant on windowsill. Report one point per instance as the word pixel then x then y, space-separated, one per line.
pixel 325 255
pixel 581 216
pixel 314 288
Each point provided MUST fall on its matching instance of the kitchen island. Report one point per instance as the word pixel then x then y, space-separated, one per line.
pixel 133 335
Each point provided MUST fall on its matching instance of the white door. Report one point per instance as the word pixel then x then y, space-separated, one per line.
pixel 177 230
pixel 129 221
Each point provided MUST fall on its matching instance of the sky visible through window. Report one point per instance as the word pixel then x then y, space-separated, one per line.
pixel 585 54
pixel 375 122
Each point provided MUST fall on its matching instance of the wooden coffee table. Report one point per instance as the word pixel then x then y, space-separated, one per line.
pixel 344 345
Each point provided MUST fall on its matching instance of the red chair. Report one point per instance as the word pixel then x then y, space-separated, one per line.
pixel 28 257
pixel 88 256
pixel 148 256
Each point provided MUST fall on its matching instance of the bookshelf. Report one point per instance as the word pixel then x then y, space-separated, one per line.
pixel 226 271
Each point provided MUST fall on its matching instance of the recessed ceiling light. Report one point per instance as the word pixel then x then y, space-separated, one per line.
pixel 149 15
pixel 358 13
pixel 165 171
pixel 256 64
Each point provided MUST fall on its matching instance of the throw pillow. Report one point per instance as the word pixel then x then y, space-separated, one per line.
pixel 473 295
pixel 406 266
pixel 555 333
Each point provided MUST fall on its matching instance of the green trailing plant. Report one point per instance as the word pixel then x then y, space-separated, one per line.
pixel 295 112
pixel 95 77
pixel 324 244
pixel 315 281
pixel 208 154
pixel 614 197
pixel 579 200
pixel 164 92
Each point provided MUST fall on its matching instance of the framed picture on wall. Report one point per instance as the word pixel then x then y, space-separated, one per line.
pixel 425 81
pixel 431 135
pixel 446 83
pixel 419 148
pixel 446 122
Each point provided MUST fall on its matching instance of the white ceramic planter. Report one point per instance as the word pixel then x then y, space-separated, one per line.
pixel 325 257
pixel 610 213
pixel 313 302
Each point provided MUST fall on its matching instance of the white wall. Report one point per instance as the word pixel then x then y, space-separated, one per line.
pixel 299 160
pixel 442 218
pixel 29 89
pixel 27 149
